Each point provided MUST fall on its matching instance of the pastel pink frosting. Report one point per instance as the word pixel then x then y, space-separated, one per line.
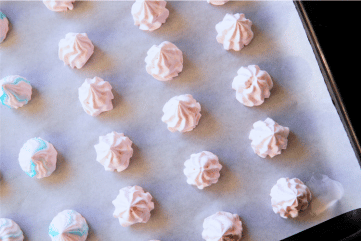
pixel 222 226
pixel 268 138
pixel 114 151
pixel 75 49
pixel 133 205
pixel 181 113
pixel 234 31
pixel 149 15
pixel 289 197
pixel 252 85
pixel 96 96
pixel 59 6
pixel 202 169
pixel 165 61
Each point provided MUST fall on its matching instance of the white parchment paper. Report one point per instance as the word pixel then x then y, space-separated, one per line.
pixel 299 100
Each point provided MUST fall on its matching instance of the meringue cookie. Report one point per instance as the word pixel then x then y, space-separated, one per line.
pixel 149 14
pixel 10 231
pixel 38 157
pixel 164 62
pixel 217 2
pixel 222 226
pixel 252 85
pixel 114 151
pixel 132 205
pixel 58 6
pixel 76 49
pixel 234 32
pixel 202 169
pixel 15 91
pixel 268 138
pixel 4 26
pixel 181 113
pixel 96 96
pixel 289 197
pixel 68 225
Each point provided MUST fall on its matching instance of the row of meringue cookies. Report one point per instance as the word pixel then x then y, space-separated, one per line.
pixel 133 205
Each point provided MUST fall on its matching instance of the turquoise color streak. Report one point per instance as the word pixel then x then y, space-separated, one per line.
pixel 42 146
pixel 52 231
pixel 2 16
pixel 4 96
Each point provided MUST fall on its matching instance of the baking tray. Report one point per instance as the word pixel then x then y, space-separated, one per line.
pixel 329 80
pixel 299 100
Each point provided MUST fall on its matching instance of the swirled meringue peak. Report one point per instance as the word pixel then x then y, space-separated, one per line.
pixel 96 96
pixel 222 226
pixel 114 151
pixel 289 197
pixel 217 2
pixel 38 157
pixel 4 26
pixel 149 14
pixel 59 6
pixel 252 85
pixel 75 49
pixel 181 113
pixel 202 169
pixel 132 205
pixel 268 138
pixel 234 32
pixel 164 62
pixel 68 225
pixel 15 91
pixel 10 231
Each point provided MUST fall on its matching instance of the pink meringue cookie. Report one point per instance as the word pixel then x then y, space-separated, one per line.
pixel 59 6
pixel 4 26
pixel 165 61
pixel 252 85
pixel 268 138
pixel 96 96
pixel 37 158
pixel 181 113
pixel 15 91
pixel 289 197
pixel 234 31
pixel 76 49
pixel 149 14
pixel 114 151
pixel 202 169
pixel 222 226
pixel 10 231
pixel 132 205
pixel 217 2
